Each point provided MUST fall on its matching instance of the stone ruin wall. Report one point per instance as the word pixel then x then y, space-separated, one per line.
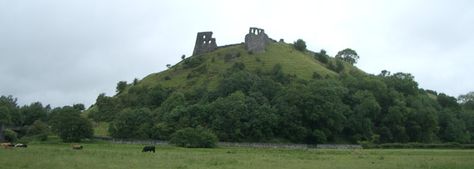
pixel 256 40
pixel 204 43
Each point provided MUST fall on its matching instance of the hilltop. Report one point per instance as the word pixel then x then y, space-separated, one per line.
pixel 207 69
pixel 267 91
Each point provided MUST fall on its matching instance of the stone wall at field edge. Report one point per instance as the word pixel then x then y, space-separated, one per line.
pixel 204 43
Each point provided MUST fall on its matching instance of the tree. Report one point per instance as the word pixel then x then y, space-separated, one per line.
pixel 402 82
pixel 38 130
pixel 105 108
pixel 183 57
pixel 79 106
pixel 121 86
pixel 34 111
pixel 8 107
pixel 384 73
pixel 168 66
pixel 194 138
pixel 69 125
pixel 300 45
pixel 467 100
pixel 135 81
pixel 132 123
pixel 348 55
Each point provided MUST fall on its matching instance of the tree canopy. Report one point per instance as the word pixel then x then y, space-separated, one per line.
pixel 348 55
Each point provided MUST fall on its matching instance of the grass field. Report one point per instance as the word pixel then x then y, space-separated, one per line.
pixel 117 156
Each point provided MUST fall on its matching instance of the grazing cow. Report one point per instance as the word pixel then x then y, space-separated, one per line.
pixel 21 145
pixel 77 147
pixel 7 145
pixel 149 148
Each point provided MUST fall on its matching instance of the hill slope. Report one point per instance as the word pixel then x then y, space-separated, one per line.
pixel 281 95
pixel 209 69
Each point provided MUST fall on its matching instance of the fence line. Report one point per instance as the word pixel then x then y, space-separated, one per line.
pixel 245 145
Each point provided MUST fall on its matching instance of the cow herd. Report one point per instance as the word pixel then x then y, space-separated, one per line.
pixel 10 145
pixel 148 148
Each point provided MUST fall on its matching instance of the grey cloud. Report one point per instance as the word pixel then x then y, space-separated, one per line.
pixel 63 52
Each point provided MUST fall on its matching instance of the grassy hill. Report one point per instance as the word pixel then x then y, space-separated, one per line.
pixel 213 64
pixel 280 95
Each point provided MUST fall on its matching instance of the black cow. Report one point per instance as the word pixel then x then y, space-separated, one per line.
pixel 77 147
pixel 149 148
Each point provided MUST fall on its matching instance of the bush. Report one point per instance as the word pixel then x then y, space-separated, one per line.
pixel 318 137
pixel 192 62
pixel 10 135
pixel 38 130
pixel 300 45
pixel 322 57
pixel 194 138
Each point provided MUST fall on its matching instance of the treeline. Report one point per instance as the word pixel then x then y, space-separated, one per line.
pixel 271 106
pixel 36 122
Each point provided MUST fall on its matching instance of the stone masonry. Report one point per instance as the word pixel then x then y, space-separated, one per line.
pixel 204 43
pixel 256 40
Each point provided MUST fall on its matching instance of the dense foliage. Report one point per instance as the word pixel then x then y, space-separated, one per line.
pixel 69 125
pixel 33 121
pixel 194 138
pixel 262 105
pixel 10 135
pixel 271 106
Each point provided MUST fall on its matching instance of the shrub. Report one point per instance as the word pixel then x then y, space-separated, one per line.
pixel 228 57
pixel 10 135
pixel 316 75
pixel 322 57
pixel 318 137
pixel 300 45
pixel 191 62
pixel 38 130
pixel 194 138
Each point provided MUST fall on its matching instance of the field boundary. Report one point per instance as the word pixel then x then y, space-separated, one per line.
pixel 244 145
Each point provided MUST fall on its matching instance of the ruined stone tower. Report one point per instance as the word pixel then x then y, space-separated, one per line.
pixel 256 40
pixel 204 43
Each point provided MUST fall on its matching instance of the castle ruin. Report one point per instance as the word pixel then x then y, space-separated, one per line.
pixel 256 40
pixel 204 43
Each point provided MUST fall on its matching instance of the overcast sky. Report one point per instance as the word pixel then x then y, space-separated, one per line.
pixel 63 52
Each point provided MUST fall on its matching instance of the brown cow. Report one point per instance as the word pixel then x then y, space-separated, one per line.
pixel 7 145
pixel 77 147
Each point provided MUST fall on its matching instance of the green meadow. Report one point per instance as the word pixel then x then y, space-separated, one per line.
pixel 124 156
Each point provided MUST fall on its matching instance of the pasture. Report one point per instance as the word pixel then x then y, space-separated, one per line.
pixel 123 156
